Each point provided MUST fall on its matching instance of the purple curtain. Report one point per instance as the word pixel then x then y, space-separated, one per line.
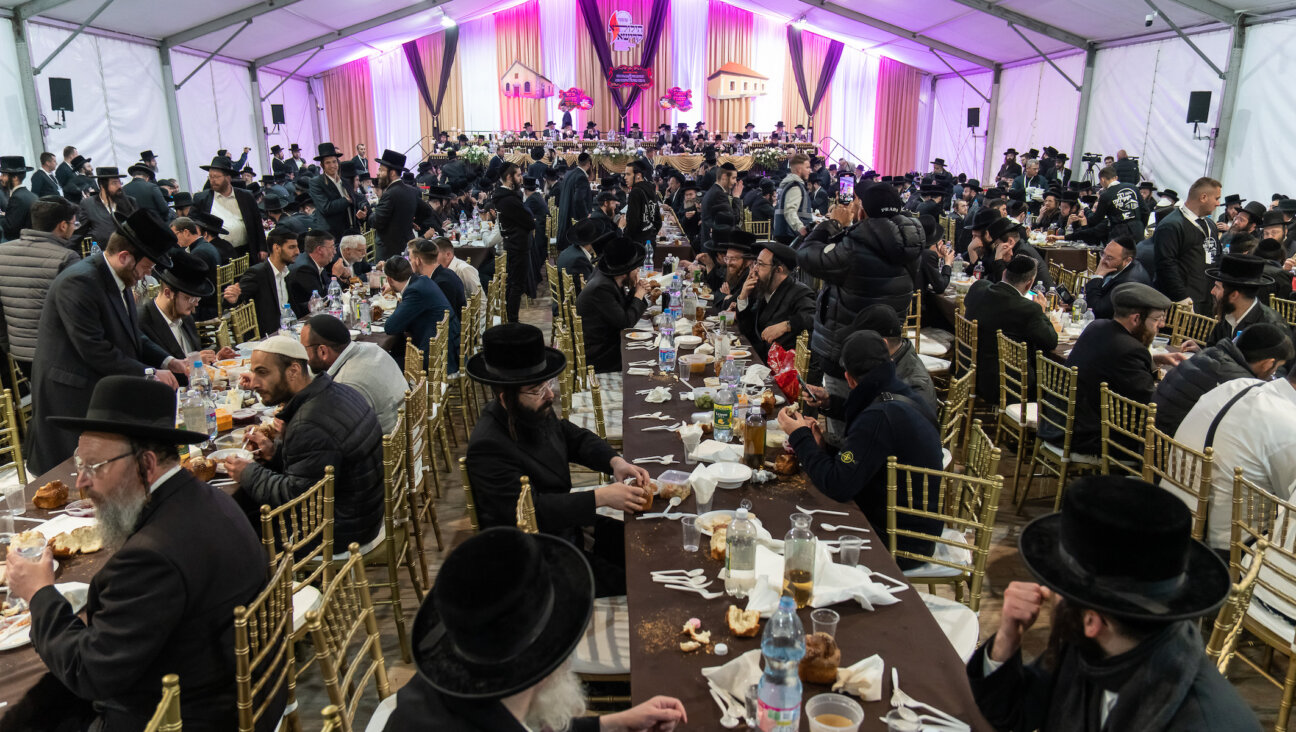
pixel 652 39
pixel 798 69
pixel 413 58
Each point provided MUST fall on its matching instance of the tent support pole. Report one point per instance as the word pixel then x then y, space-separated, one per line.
pixel 1179 32
pixel 258 118
pixel 1044 56
pixel 992 114
pixel 1082 111
pixel 212 55
pixel 173 118
pixel 1228 100
pixel 956 73
pixel 73 36
pixel 291 74
pixel 31 106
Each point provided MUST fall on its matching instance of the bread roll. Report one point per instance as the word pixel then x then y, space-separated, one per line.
pixel 743 623
pixel 719 542
pixel 81 540
pixel 52 495
pixel 819 666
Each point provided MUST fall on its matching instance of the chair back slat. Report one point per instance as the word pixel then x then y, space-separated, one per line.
pixel 263 655
pixel 982 455
pixel 1181 470
pixel 1285 308
pixel 1014 370
pixel 302 528
pixel 167 716
pixel 1124 431
pixel 913 321
pixel 1055 391
pixel 965 345
pixel 470 504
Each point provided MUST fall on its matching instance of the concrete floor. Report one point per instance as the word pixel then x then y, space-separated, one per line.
pixel 1004 566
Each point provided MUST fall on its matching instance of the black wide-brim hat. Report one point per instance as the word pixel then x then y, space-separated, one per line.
pixel 1101 552
pixel 187 273
pixel 147 233
pixel 131 406
pixel 394 160
pixel 620 255
pixel 514 354
pixel 220 163
pixel 326 150
pixel 535 619
pixel 588 232
pixel 182 199
pixel 735 238
pixel 14 164
pixel 1241 270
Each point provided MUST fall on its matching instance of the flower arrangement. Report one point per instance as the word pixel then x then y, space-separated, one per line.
pixel 475 154
pixel 767 158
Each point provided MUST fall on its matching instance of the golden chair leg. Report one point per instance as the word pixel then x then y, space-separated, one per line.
pixel 1289 686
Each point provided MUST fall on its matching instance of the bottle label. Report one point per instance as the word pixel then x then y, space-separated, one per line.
pixel 776 718
pixel 723 417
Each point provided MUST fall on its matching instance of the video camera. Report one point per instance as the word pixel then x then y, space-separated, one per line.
pixel 1091 158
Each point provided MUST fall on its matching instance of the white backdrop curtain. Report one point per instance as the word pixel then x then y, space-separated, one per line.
pixel 479 73
pixel 1037 107
pixel 962 147
pixel 854 90
pixel 1141 95
pixel 1257 150
pixel 299 115
pixel 396 99
pixel 926 103
pixel 117 95
pixel 316 86
pixel 769 49
pixel 688 43
pixel 215 112
pixel 558 28
pixel 13 117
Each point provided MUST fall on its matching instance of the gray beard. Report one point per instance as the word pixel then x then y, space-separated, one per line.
pixel 119 516
pixel 557 701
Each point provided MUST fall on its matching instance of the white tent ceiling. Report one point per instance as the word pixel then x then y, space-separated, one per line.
pixel 901 29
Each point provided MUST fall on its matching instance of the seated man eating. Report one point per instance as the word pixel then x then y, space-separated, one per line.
pixel 519 434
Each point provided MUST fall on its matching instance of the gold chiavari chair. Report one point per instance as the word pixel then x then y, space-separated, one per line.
pixel 10 441
pixel 243 321
pixel 371 246
pixel 438 373
pixel 578 349
pixel 963 504
pixel 152 292
pixel 1285 308
pixel 332 719
pixel 1055 395
pixel 469 503
pixel 263 650
pixel 956 410
pixel 801 360
pixel 167 716
pixel 1091 261
pixel 467 341
pixel 423 485
pixel 1228 623
pixel 86 243
pixel 1259 515
pixel 555 290
pixel 402 542
pixel 226 275
pixel 761 229
pixel 345 621
pixel 913 321
pixel 1017 417
pixel 1187 325
pixel 240 265
pixel 22 395
pixel 569 282
pixel 1055 271
pixel 1124 431
pixel 414 368
pixel 965 346
pixel 214 332
pixel 1181 470
pixel 982 455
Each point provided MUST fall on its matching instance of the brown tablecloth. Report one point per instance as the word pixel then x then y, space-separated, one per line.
pixel 661 251
pixel 476 256
pixel 1073 258
pixel 905 634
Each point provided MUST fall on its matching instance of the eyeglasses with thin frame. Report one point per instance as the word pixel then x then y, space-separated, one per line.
pixel 92 469
pixel 550 386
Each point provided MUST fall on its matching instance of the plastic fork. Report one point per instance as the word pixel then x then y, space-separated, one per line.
pixel 813 511
pixel 703 593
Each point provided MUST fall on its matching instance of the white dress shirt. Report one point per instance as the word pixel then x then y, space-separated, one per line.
pixel 226 208
pixel 467 273
pixel 281 283
pixel 177 330
pixel 164 478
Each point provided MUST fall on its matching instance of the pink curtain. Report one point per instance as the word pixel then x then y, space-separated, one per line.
pixel 348 106
pixel 517 38
pixel 895 131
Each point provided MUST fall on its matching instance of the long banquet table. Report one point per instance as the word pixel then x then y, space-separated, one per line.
pixel 905 634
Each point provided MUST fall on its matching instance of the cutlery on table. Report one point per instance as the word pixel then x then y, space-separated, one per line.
pixel 654 415
pixel 727 720
pixel 656 459
pixel 703 593
pixel 812 511
pixel 686 572
pixel 901 699
pixel 698 582
pixel 831 527
pixel 663 427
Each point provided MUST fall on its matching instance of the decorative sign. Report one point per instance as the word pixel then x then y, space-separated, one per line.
pixel 623 33
pixel 677 98
pixel 621 76
pixel 570 100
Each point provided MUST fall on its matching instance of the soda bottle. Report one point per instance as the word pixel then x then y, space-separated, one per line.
pixel 778 696
pixel 740 556
pixel 666 350
pixel 198 377
pixel 798 560
pixel 722 414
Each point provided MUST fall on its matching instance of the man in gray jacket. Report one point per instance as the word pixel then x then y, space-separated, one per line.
pixel 365 367
pixel 28 265
pixel 792 217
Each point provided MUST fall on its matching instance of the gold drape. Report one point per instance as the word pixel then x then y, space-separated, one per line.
pixel 430 50
pixel 348 106
pixel 517 38
pixel 589 73
pixel 729 39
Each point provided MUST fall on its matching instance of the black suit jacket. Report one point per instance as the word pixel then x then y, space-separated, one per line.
pixel 999 306
pixel 335 209
pixel 202 201
pixel 303 279
pixel 162 604
pixel 63 173
pixel 86 332
pixel 1181 259
pixel 257 284
pixel 606 311
pixel 1261 313
pixel 537 170
pixel 716 201
pixel 43 184
pixel 1098 292
pixel 393 218
pixel 575 201
pixel 154 325
pixel 148 195
pixel 360 164
pixel 574 261
pixel 792 301
pixel 17 212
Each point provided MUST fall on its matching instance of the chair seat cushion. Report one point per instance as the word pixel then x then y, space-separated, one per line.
pixel 305 599
pixel 957 621
pixel 931 347
pixel 605 648
pixel 1076 457
pixel 933 364
pixel 1014 414
pixel 960 555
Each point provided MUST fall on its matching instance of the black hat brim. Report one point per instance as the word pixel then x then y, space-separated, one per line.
pixel 1218 275
pixel 1205 586
pixel 126 429
pixel 200 288
pixel 476 367
pixel 632 264
pixel 573 586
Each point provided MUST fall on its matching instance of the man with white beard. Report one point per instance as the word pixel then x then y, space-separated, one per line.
pixel 185 557
pixel 493 640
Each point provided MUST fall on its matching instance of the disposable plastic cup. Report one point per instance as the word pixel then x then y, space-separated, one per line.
pixel 849 550
pixel 692 533
pixel 834 713
pixel 825 621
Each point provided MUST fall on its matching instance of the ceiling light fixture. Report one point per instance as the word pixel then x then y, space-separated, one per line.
pixel 800 22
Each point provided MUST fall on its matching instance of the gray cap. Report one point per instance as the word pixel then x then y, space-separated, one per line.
pixel 1138 295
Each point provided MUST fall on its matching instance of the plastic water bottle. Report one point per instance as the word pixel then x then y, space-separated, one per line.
pixel 979 270
pixel 798 560
pixel 94 249
pixel 198 377
pixel 648 257
pixel 335 299
pixel 722 414
pixel 193 413
pixel 463 221
pixel 286 318
pixel 778 696
pixel 1079 307
pixel 316 303
pixel 666 350
pixel 959 265
pixel 676 299
pixel 209 415
pixel 366 317
pixel 740 556
pixel 729 373
pixel 150 374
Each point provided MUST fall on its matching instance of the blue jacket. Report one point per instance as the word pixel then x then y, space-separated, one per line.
pixel 877 427
pixel 421 308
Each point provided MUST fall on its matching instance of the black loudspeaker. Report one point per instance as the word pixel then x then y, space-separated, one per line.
pixel 276 114
pixel 1198 107
pixel 60 94
pixel 974 116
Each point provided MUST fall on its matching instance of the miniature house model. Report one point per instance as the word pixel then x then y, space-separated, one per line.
pixel 735 81
pixel 522 81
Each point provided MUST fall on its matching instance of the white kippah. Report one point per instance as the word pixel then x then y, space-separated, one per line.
pixel 284 346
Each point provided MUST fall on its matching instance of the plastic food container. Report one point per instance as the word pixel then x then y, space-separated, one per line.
pixel 673 483
pixel 696 363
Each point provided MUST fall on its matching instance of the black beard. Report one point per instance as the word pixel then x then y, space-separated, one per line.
pixel 529 424
pixel 1067 631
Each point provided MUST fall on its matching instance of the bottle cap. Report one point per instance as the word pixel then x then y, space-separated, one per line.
pixel 741 513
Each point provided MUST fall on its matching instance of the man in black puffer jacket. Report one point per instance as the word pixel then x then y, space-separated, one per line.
pixel 865 254
pixel 1258 353
pixel 324 424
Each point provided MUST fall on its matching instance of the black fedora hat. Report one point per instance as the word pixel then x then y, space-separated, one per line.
pixel 147 155
pixel 1003 226
pixel 1102 552
pixel 146 232
pixel 1273 217
pixel 620 255
pixel 722 240
pixel 588 232
pixel 514 354
pixel 782 253
pixel 392 159
pixel 479 637
pixel 14 164
pixel 439 193
pixel 1010 151
pixel 131 406
pixel 276 148
pixel 79 162
pixel 108 171
pixel 182 199
pixel 1242 270
pixel 1287 205
pixel 211 222
pixel 974 184
pixel 1254 210
pixel 220 162
pixel 187 273
pixel 939 161
pixel 1233 198
pixel 326 150
pixel 294 148
pixel 272 202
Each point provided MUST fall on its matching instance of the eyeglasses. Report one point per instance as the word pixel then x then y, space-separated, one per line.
pixel 93 469
pixel 550 386
pixel 759 263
